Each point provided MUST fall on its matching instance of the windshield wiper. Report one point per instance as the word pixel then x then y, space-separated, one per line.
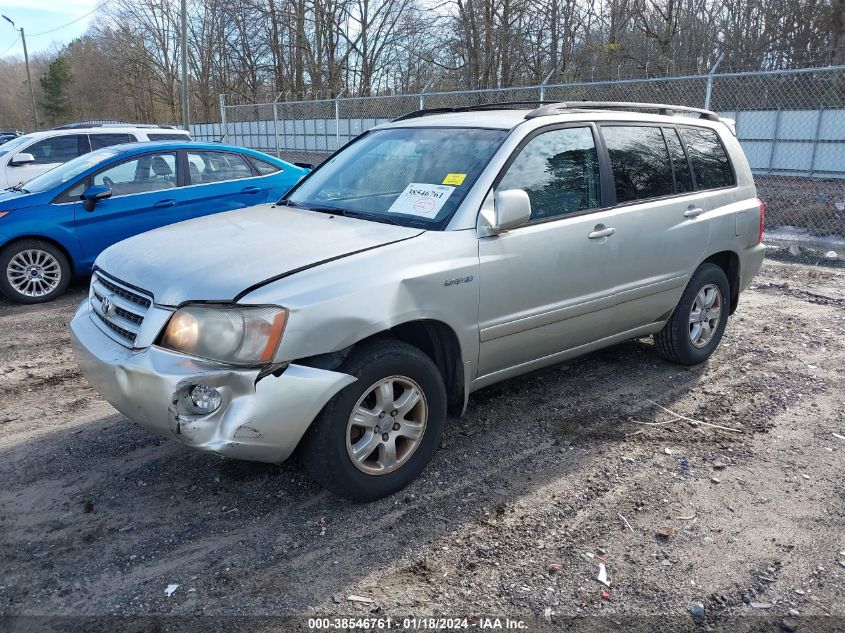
pixel 368 216
pixel 17 188
pixel 347 213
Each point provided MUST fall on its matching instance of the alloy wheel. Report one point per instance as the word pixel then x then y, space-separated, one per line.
pixel 386 425
pixel 34 272
pixel 705 315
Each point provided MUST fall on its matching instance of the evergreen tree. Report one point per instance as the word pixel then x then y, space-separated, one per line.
pixel 56 84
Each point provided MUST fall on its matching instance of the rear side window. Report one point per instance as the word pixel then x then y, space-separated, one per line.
pixel 680 165
pixel 168 137
pixel 709 160
pixel 263 167
pixel 560 172
pixel 640 162
pixel 99 141
pixel 207 166
pixel 58 149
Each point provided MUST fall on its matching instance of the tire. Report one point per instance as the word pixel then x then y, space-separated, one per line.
pixel 328 444
pixel 675 341
pixel 50 263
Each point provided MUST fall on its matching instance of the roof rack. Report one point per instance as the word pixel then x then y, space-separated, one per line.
pixel 484 106
pixel 106 123
pixel 662 108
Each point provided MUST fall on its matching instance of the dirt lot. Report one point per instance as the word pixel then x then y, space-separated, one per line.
pixel 529 489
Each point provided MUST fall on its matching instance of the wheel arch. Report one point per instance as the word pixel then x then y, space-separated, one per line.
pixel 50 240
pixel 440 343
pixel 434 338
pixel 728 261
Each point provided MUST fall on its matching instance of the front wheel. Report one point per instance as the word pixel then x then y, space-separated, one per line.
pixel 695 329
pixel 33 271
pixel 379 433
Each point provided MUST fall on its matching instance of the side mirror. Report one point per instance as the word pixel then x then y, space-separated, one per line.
pixel 94 193
pixel 512 209
pixel 21 159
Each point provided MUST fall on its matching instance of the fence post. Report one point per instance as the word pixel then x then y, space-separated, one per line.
pixel 775 135
pixel 223 118
pixel 422 93
pixel 276 128
pixel 710 81
pixel 285 143
pixel 337 121
pixel 816 140
pixel 545 81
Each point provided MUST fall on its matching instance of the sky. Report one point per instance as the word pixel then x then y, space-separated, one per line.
pixel 38 16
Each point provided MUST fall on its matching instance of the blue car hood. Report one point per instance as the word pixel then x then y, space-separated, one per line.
pixel 10 200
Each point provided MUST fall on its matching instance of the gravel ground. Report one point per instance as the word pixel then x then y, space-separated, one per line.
pixel 544 477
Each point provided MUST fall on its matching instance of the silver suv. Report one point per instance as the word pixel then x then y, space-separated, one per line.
pixel 430 257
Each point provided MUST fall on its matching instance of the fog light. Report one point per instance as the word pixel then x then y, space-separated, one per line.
pixel 205 399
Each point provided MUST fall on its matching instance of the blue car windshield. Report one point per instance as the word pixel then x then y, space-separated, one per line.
pixel 408 176
pixel 65 173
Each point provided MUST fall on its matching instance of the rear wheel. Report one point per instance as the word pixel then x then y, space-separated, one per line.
pixel 378 434
pixel 695 329
pixel 33 271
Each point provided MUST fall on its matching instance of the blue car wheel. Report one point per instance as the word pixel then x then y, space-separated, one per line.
pixel 33 271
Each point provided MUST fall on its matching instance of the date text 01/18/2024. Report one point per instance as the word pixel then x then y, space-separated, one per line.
pixel 416 624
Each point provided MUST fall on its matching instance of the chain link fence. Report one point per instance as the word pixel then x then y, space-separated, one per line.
pixel 790 123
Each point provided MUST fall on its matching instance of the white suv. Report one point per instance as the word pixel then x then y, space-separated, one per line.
pixel 30 155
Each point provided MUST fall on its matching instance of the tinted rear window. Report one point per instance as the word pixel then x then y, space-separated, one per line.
pixel 640 162
pixel 263 167
pixel 168 137
pixel 99 141
pixel 709 160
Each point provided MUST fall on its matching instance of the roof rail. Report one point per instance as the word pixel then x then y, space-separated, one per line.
pixel 472 108
pixel 662 108
pixel 106 123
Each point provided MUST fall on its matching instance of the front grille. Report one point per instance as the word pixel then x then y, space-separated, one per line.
pixel 130 295
pixel 118 306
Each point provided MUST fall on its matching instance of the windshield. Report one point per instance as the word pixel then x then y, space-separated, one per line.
pixel 8 146
pixel 62 174
pixel 410 176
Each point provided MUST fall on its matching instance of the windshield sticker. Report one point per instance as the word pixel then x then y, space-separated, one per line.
pixel 454 179
pixel 421 199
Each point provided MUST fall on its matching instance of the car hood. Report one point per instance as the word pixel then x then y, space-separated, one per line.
pixel 218 257
pixel 10 200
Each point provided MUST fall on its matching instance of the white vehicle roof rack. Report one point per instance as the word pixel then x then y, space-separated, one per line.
pixel 661 108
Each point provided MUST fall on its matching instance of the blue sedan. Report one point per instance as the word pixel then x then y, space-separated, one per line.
pixel 56 225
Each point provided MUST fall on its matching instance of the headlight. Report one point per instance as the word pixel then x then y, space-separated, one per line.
pixel 231 334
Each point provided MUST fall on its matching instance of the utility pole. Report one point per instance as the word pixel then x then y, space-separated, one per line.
pixel 28 76
pixel 186 113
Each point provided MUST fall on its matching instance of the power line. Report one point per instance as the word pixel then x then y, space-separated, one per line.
pixel 81 17
pixel 10 46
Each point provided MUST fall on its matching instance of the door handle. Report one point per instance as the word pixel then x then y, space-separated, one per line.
pixel 693 212
pixel 600 231
pixel 250 190
pixel 163 204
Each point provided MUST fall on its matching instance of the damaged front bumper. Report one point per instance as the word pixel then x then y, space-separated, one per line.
pixel 261 421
